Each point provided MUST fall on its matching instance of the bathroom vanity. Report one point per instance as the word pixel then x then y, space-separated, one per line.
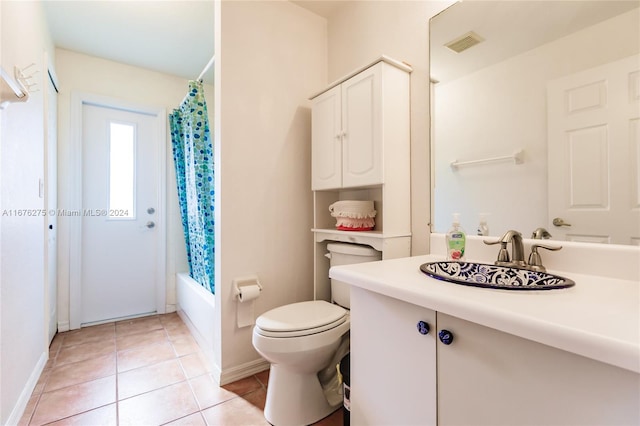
pixel 565 356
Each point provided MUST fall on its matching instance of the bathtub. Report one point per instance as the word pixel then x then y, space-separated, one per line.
pixel 196 306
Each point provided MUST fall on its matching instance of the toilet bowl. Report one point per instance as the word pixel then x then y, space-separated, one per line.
pixel 300 340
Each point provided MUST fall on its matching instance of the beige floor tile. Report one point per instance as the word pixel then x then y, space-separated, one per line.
pixel 138 325
pixel 28 411
pixel 236 412
pixel 85 351
pixel 243 386
pixel 81 371
pixel 96 333
pixel 103 416
pixel 194 365
pixel 192 420
pixel 156 371
pixel 256 398
pixel 145 379
pixel 184 345
pixel 158 407
pixel 44 376
pixel 144 355
pixel 178 332
pixel 72 400
pixel 56 342
pixel 130 341
pixel 208 393
pixel 171 320
pixel 263 377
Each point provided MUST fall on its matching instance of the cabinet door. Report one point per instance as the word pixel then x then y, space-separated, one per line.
pixel 362 128
pixel 326 145
pixel 487 377
pixel 393 379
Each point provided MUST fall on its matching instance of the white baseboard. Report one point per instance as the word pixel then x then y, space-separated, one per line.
pixel 25 395
pixel 170 308
pixel 63 326
pixel 238 372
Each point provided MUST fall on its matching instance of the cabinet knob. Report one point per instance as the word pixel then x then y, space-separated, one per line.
pixel 423 327
pixel 445 336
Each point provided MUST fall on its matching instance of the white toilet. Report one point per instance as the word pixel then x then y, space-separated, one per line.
pixel 303 340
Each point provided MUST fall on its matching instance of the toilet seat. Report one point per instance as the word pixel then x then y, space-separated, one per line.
pixel 300 319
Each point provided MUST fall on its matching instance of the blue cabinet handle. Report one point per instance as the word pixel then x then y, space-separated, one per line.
pixel 423 327
pixel 445 336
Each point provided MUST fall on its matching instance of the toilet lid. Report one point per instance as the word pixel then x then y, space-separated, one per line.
pixel 299 319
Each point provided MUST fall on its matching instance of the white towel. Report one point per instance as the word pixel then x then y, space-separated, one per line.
pixel 352 209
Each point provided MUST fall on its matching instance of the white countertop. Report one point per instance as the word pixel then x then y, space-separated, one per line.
pixel 598 318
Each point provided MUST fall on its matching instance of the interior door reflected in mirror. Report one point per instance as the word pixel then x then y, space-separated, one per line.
pixel 554 84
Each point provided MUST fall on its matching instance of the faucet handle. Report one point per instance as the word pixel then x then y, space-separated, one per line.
pixel 535 260
pixel 503 254
pixel 541 234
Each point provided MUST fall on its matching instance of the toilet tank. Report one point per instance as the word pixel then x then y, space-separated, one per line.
pixel 348 254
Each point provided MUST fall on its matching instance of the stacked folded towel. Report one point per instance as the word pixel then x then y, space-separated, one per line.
pixel 353 215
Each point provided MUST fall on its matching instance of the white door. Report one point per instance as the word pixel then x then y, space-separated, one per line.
pixel 120 214
pixel 51 206
pixel 326 141
pixel 593 141
pixel 362 124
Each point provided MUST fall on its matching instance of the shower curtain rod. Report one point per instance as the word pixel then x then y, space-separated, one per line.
pixel 206 68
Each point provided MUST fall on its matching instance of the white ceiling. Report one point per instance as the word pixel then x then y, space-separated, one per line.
pixel 174 37
pixel 509 28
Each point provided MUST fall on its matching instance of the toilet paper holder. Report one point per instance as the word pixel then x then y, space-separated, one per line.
pixel 245 281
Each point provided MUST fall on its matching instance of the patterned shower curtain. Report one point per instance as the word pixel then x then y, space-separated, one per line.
pixel 193 158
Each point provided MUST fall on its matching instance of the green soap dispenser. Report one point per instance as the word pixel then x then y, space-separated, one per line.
pixel 456 240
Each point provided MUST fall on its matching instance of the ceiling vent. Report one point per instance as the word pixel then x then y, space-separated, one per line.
pixel 464 42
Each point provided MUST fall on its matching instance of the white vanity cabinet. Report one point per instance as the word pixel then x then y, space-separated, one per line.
pixel 393 366
pixel 360 128
pixel 483 377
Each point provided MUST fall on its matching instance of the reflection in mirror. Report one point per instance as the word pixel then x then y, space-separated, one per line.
pixel 536 120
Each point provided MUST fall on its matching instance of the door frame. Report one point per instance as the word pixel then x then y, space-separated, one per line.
pixel 78 100
pixel 51 318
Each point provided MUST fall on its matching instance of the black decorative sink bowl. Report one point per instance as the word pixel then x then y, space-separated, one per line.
pixel 492 276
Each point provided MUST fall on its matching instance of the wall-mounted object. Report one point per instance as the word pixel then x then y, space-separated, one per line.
pixel 15 88
pixel 517 158
pixel 246 290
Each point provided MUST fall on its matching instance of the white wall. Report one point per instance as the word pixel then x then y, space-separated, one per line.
pixel 364 30
pixel 87 74
pixel 270 57
pixel 500 109
pixel 23 349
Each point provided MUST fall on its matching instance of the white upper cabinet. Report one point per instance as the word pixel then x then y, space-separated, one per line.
pixel 356 123
pixel 361 128
pixel 326 148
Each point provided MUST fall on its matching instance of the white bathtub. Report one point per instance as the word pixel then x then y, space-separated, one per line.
pixel 196 306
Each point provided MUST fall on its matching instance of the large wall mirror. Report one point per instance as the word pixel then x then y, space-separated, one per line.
pixel 536 118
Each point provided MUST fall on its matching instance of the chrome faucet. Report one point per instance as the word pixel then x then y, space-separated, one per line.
pixel 517 250
pixel 541 234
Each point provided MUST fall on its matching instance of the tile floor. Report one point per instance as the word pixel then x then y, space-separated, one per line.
pixel 146 371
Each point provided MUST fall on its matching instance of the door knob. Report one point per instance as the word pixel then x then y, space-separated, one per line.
pixel 445 336
pixel 423 327
pixel 150 225
pixel 558 221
